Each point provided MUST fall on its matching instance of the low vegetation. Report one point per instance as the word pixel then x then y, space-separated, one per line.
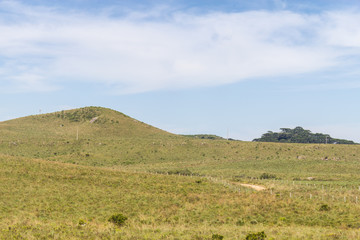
pixel 256 236
pixel 204 136
pixel 118 219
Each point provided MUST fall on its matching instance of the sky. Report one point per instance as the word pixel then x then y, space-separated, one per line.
pixel 234 68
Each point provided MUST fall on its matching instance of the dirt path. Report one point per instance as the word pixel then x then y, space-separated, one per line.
pixel 94 119
pixel 255 187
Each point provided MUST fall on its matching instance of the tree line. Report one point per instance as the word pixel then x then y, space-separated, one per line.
pixel 300 135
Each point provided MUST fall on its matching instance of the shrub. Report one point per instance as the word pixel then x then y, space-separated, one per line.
pixel 184 172
pixel 82 222
pixel 267 176
pixel 254 222
pixel 324 207
pixel 118 219
pixel 217 237
pixel 256 236
pixel 240 222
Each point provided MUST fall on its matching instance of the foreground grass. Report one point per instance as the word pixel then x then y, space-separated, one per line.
pixel 42 200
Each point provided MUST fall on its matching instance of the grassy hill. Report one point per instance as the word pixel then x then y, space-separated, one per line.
pixel 169 186
pixel 90 121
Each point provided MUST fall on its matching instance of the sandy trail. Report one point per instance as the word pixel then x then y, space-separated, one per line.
pixel 255 187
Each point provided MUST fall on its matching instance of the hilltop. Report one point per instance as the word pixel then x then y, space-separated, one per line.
pixel 93 136
pixel 87 122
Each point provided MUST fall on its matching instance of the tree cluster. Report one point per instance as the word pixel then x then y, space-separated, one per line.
pixel 300 135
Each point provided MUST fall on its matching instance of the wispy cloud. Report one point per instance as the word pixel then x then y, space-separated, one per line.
pixel 166 49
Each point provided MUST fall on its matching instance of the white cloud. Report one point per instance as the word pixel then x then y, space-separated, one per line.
pixel 343 29
pixel 139 52
pixel 30 83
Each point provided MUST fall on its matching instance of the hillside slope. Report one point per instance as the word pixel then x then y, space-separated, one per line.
pixel 85 122
pixel 89 136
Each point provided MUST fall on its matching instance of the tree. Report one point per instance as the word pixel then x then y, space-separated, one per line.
pixel 299 135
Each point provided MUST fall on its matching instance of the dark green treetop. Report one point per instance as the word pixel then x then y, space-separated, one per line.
pixel 300 135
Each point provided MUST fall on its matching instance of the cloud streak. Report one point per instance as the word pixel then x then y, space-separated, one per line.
pixel 137 52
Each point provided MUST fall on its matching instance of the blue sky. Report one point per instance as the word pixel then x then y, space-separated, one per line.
pixel 238 67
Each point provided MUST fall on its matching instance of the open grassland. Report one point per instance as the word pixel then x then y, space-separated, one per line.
pixel 219 158
pixel 41 200
pixel 61 169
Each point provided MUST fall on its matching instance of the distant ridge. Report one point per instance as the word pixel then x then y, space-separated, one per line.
pixel 300 135
pixel 205 136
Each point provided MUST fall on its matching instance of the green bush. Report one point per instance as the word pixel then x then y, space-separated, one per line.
pixel 217 237
pixel 267 176
pixel 240 222
pixel 118 219
pixel 82 222
pixel 184 172
pixel 254 222
pixel 256 236
pixel 324 207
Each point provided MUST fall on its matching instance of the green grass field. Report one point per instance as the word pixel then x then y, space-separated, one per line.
pixel 63 175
